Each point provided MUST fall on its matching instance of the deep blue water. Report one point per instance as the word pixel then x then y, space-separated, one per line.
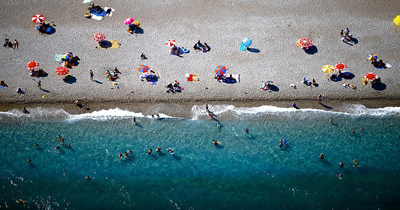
pixel 247 171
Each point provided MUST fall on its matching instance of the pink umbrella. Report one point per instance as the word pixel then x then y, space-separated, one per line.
pixel 38 19
pixel 340 66
pixel 171 42
pixel 99 37
pixel 128 20
pixel 32 65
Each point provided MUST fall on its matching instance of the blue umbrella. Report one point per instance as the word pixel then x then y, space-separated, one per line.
pixel 247 42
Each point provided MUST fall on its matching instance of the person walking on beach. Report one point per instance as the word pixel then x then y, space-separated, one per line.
pixel 319 98
pixel 19 91
pixel 91 75
pixel 15 44
pixel 39 84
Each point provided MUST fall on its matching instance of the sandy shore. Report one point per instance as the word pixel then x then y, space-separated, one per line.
pixel 274 27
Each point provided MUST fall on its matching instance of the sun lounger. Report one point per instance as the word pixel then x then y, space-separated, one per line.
pixel 112 10
pixel 96 17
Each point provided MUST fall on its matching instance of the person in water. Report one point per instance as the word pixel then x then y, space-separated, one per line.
pixel 59 137
pixel 341 164
pixel 150 151
pixel 57 147
pixel 36 145
pixel 215 142
pixel 158 149
pixel 25 111
pixel 353 132
pixel 356 162
pixel 88 178
pixel 126 154
pixel 207 108
pixel 246 130
pixel 134 121
pixel 218 127
pixel 158 117
pixel 120 155
pixel 29 160
pixel 170 151
pixel 130 151
pixel 340 176
pixel 69 145
pixel 62 141
pixel 321 156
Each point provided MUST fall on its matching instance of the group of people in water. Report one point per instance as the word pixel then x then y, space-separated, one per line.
pixel 341 164
pixel 57 147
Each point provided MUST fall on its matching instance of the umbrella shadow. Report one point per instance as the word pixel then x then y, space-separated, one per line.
pixel 379 86
pixel 325 106
pixel 70 79
pixel 347 76
pixel 273 88
pixel 253 50
pixel 139 31
pixel 311 50
pixel 47 91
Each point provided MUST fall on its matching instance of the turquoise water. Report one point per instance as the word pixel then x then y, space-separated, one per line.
pixel 245 172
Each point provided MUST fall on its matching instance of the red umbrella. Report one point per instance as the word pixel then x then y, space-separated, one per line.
pixel 38 19
pixel 340 66
pixel 32 65
pixel 304 42
pixel 99 37
pixel 171 42
pixel 62 70
pixel 370 77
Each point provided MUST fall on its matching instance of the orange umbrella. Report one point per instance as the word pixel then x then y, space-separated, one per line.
pixel 370 77
pixel 62 70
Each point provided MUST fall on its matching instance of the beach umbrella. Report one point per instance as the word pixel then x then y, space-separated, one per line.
pixel 328 69
pixel 220 70
pixel 62 70
pixel 340 66
pixel 32 65
pixel 99 37
pixel 304 43
pixel 397 20
pixel 128 20
pixel 38 19
pixel 67 55
pixel 143 68
pixel 247 42
pixel 171 42
pixel 372 56
pixel 136 23
pixel 370 77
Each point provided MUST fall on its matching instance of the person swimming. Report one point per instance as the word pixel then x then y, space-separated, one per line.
pixel 246 130
pixel 88 178
pixel 340 176
pixel 158 149
pixel 158 117
pixel 57 147
pixel 36 145
pixel 69 145
pixel 130 151
pixel 126 154
pixel 29 160
pixel 322 157
pixel 134 121
pixel 120 155
pixel 171 151
pixel 356 163
pixel 21 201
pixel 341 164
pixel 280 144
pixel 150 151
pixel 215 142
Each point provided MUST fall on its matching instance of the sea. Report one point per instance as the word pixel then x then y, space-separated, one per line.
pixel 246 170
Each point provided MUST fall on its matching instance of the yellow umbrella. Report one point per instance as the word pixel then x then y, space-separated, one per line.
pixel 328 69
pixel 397 20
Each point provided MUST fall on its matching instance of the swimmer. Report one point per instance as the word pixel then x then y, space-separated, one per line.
pixel 284 142
pixel 152 117
pixel 126 154
pixel 170 151
pixel 69 145
pixel 57 147
pixel 331 121
pixel 120 155
pixel 134 121
pixel 356 162
pixel 130 151
pixel 362 128
pixel 280 144
pixel 36 145
pixel 25 111
pixel 62 141
pixel 158 149
pixel 218 127
pixel 29 160
pixel 88 178
pixel 150 151
pixel 353 131
pixel 281 141
pixel 246 130
pixel 59 137
pixel 321 156
pixel 340 176
pixel 21 201
pixel 341 164
pixel 158 117
pixel 215 142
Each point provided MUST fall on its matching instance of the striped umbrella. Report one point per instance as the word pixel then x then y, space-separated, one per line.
pixel 370 77
pixel 67 55
pixel 32 65
pixel 372 56
pixel 62 70
pixel 340 66
pixel 38 19
pixel 143 68
pixel 304 43
pixel 171 42
pixel 99 37
pixel 328 69
pixel 220 70
pixel 128 20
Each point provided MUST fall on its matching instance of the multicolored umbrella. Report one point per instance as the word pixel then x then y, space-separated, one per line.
pixel 372 56
pixel 38 19
pixel 328 69
pixel 67 55
pixel 340 66
pixel 370 77
pixel 99 37
pixel 143 68
pixel 304 43
pixel 247 42
pixel 220 70
pixel 396 20
pixel 62 70
pixel 136 23
pixel 32 65
pixel 128 20
pixel 171 42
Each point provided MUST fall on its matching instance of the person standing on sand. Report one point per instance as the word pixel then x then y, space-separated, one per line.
pixel 91 75
pixel 39 84
pixel 319 98
pixel 15 44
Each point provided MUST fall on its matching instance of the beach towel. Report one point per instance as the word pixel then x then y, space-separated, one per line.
pixel 112 10
pixel 109 44
pixel 96 17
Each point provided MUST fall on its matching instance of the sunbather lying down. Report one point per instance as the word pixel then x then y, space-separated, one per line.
pixel 345 84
